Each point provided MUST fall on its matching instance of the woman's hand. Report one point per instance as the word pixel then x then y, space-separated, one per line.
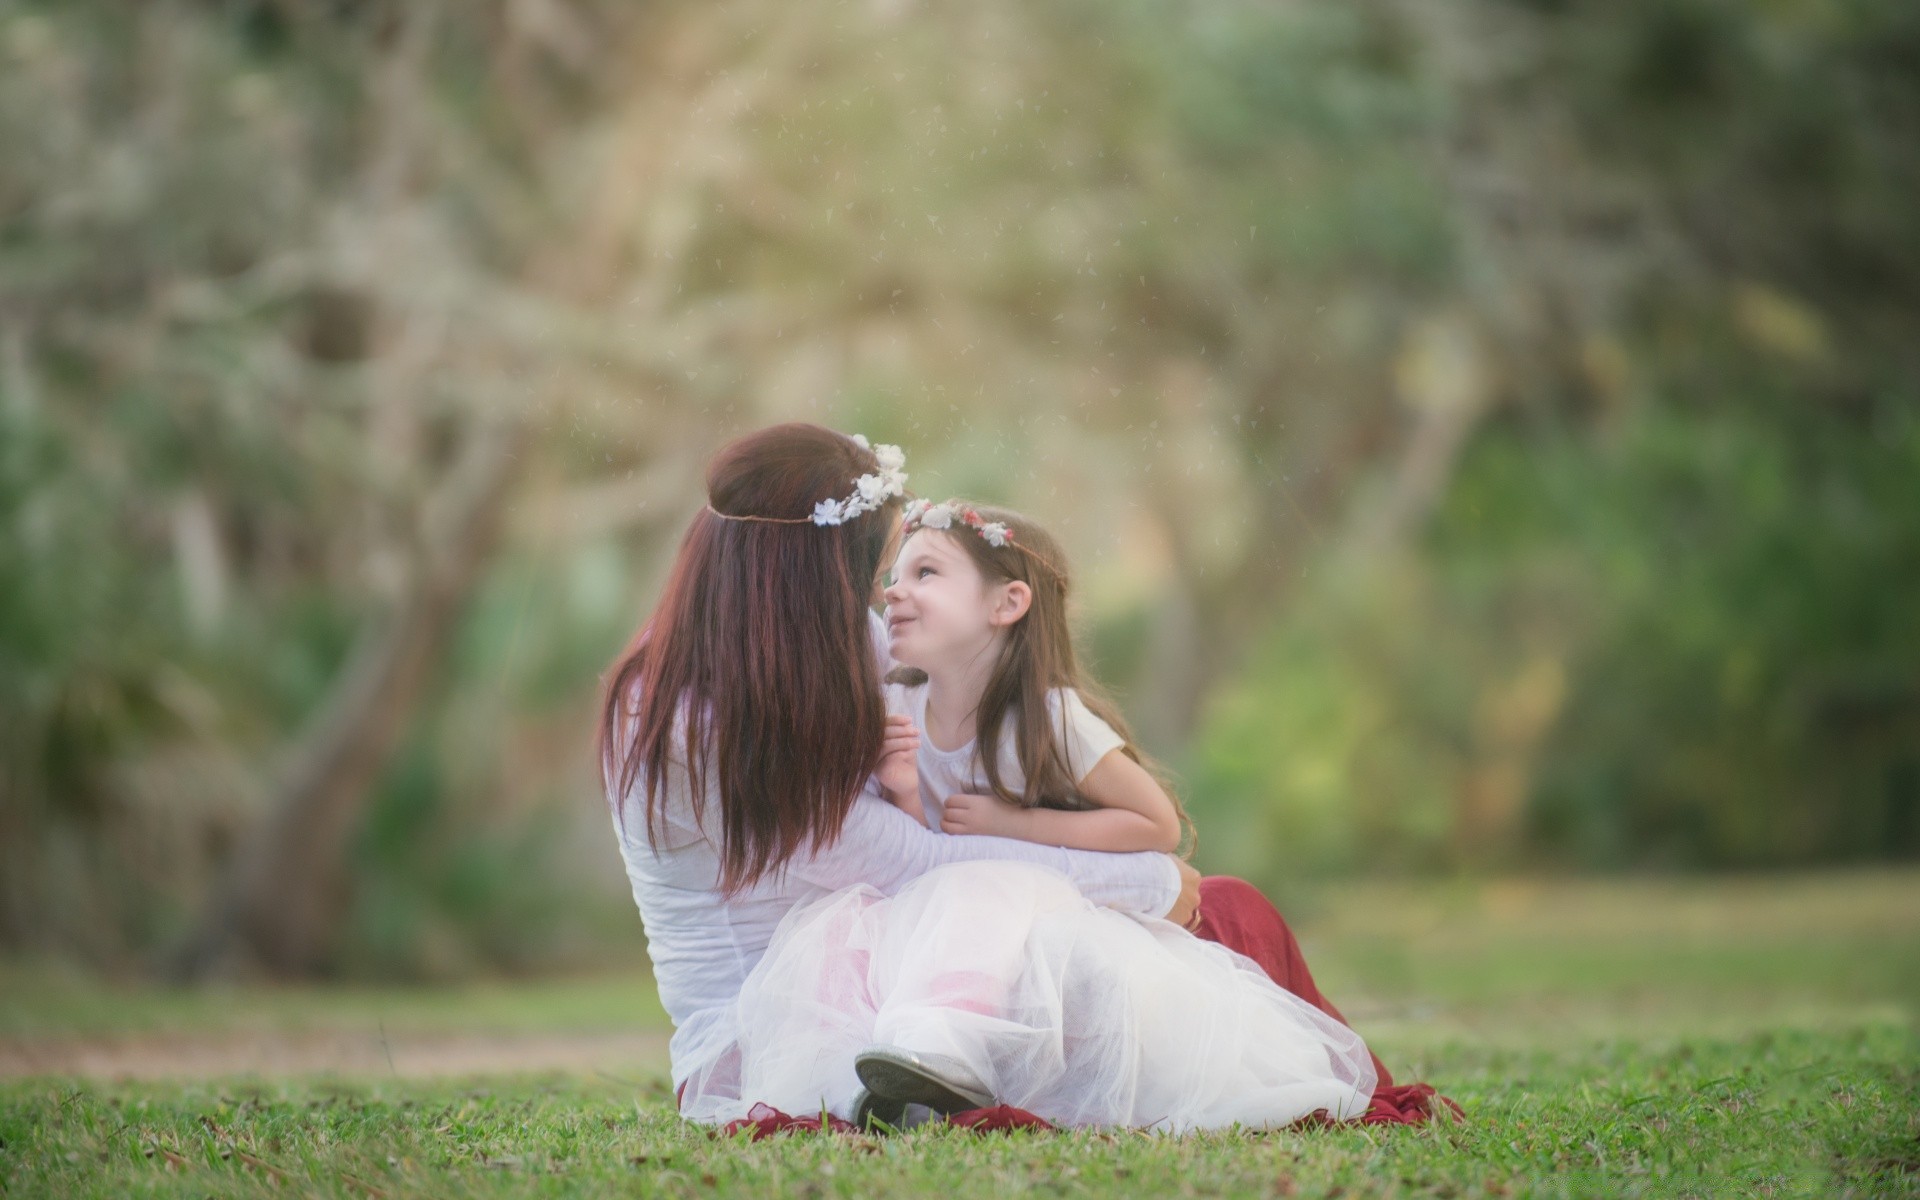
pixel 989 815
pixel 1186 908
pixel 899 771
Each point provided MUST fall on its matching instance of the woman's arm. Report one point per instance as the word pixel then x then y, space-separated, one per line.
pixel 1134 813
pixel 882 846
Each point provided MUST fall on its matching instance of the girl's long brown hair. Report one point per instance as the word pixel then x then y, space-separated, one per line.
pixel 1038 656
pixel 755 669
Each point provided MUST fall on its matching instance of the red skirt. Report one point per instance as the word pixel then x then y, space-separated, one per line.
pixel 1234 914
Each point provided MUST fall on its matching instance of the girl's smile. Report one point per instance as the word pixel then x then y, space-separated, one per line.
pixel 939 610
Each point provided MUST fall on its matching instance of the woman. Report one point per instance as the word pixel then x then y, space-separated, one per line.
pixel 764 651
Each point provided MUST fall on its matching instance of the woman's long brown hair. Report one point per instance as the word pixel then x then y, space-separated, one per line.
pixel 755 669
pixel 1037 657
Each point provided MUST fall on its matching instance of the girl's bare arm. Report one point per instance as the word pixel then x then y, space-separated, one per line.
pixel 1134 813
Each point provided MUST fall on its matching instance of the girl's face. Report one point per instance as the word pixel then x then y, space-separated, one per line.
pixel 941 611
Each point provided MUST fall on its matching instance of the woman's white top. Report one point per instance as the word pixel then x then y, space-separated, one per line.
pixel 704 943
pixel 1084 738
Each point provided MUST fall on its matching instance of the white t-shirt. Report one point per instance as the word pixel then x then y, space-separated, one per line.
pixel 1084 738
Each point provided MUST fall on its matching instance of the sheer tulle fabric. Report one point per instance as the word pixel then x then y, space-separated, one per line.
pixel 1079 1014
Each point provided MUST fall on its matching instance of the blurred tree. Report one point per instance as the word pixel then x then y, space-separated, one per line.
pixel 1650 583
pixel 322 371
pixel 1424 392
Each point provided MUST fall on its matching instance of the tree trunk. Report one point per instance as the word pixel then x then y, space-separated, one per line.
pixel 279 906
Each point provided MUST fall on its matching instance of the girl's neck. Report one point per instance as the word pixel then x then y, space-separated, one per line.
pixel 953 696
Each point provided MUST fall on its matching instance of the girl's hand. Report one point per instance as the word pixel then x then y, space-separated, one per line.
pixel 967 813
pixel 899 770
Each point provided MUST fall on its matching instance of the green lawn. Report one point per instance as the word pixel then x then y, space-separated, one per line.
pixel 1607 1039
pixel 48 1002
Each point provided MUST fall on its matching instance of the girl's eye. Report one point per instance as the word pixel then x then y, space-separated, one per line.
pixel 925 571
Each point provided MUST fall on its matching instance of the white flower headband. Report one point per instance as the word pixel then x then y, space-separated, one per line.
pixel 869 491
pixel 924 514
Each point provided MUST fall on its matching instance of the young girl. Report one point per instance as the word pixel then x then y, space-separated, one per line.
pixel 999 981
pixel 1013 740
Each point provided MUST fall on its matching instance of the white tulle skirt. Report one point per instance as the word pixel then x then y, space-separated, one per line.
pixel 1078 1014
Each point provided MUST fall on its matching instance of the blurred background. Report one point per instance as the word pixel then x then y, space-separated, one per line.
pixel 1487 434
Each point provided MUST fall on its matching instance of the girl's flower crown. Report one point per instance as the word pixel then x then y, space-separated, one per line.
pixel 925 514
pixel 869 491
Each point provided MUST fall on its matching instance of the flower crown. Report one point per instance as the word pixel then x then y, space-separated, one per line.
pixel 869 491
pixel 925 514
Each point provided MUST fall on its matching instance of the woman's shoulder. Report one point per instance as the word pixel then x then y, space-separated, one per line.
pixel 630 709
pixel 678 808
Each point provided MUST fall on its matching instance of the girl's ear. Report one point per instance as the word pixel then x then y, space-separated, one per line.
pixel 1013 602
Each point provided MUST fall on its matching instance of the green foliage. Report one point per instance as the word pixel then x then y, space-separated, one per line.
pixel 228 429
pixel 201 516
pixel 440 896
pixel 1689 644
pixel 1663 614
pixel 1782 125
pixel 1767 647
pixel 1150 271
pixel 137 410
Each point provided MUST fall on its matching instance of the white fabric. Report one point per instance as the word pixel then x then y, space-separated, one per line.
pixel 703 944
pixel 1081 1015
pixel 1084 737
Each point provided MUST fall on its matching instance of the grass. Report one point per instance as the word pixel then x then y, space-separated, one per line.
pixel 46 1000
pixel 1747 1037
